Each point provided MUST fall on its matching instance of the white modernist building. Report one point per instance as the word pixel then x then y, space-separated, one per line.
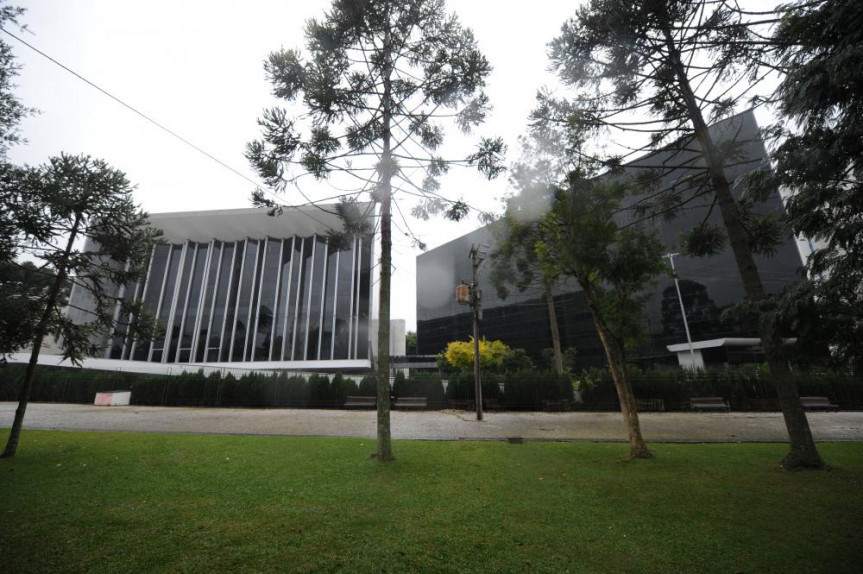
pixel 240 288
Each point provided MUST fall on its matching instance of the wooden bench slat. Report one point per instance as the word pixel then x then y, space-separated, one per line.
pixel 361 402
pixel 818 403
pixel 411 403
pixel 708 404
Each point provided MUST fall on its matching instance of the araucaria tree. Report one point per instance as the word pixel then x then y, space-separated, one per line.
pixel 613 262
pixel 378 79
pixel 79 198
pixel 657 72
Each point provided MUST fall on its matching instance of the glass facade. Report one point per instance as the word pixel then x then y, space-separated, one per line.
pixel 708 286
pixel 271 299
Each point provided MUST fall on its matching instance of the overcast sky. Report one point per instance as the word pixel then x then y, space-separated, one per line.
pixel 196 68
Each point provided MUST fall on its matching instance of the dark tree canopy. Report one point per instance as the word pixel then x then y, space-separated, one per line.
pixel 75 198
pixel 23 290
pixel 819 158
pixel 11 109
pixel 614 264
pixel 653 75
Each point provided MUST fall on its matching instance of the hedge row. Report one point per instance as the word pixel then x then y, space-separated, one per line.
pixel 526 390
pixel 187 389
pixel 739 387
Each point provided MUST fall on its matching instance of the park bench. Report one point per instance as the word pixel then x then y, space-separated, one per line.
pixel 650 405
pixel 361 402
pixel 492 405
pixel 411 403
pixel 818 404
pixel 562 405
pixel 708 404
pixel 464 405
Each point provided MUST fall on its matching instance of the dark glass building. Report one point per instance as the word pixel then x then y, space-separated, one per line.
pixel 239 286
pixel 708 285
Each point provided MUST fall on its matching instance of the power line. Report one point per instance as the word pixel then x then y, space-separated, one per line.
pixel 132 109
pixel 169 131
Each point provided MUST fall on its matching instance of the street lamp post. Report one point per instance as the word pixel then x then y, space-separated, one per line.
pixel 471 295
pixel 682 308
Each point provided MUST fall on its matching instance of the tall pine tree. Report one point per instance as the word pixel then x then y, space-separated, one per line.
pixel 77 198
pixel 658 72
pixel 378 80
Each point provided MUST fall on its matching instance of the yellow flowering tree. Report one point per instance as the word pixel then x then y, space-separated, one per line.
pixel 459 354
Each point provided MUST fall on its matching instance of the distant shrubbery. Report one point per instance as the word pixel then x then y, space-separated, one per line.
pixel 187 389
pixel 738 386
pixel 524 390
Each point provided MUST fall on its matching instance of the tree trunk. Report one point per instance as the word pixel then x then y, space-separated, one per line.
pixel 384 448
pixel 803 453
pixel 555 332
pixel 616 356
pixel 41 331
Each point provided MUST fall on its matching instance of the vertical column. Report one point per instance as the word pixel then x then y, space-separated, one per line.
pixel 309 299
pixel 193 352
pixel 354 270
pixel 276 301
pixel 227 300
pixel 255 301
pixel 161 296
pixel 359 288
pixel 297 304
pixel 237 305
pixel 146 284
pixel 287 299
pixel 116 317
pixel 185 298
pixel 335 305
pixel 166 347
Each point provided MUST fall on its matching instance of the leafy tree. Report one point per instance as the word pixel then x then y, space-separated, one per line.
pixel 380 78
pixel 514 262
pixel 516 360
pixel 459 354
pixel 23 289
pixel 82 198
pixel 820 159
pixel 612 263
pixel 13 213
pixel 661 70
pixel 411 343
pixel 12 111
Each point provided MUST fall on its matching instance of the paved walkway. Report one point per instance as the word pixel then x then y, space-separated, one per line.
pixel 433 425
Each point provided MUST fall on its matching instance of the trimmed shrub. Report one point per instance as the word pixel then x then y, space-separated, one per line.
pixel 526 390
pixel 369 386
pixel 340 389
pixel 318 392
pixel 401 388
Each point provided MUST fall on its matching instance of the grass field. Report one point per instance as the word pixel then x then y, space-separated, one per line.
pixel 98 502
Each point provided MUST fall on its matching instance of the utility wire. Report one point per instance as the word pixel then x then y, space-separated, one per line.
pixel 132 109
pixel 164 128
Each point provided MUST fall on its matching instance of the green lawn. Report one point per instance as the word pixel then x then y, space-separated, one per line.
pixel 102 502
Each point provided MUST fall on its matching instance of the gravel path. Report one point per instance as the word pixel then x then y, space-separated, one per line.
pixel 432 425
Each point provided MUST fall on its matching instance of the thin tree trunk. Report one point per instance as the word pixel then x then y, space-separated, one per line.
pixel 384 447
pixel 803 453
pixel 41 331
pixel 555 332
pixel 616 356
